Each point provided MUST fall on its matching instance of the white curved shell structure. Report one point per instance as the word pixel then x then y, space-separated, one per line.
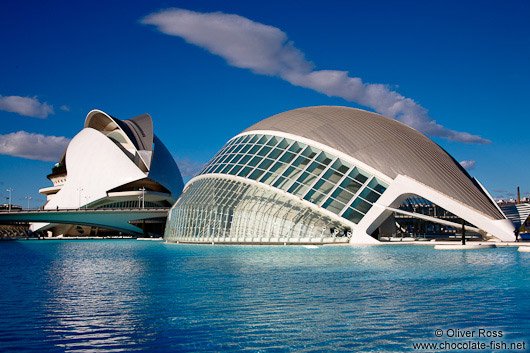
pixel 324 175
pixel 114 163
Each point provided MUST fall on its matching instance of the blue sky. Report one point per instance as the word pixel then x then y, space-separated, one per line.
pixel 467 64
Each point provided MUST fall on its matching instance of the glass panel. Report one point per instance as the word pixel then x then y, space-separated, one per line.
pixel 265 164
pixel 342 195
pixel 301 190
pixel 234 149
pixel 309 152
pixel 254 138
pixel 333 206
pixel 284 143
pixel 324 158
pixel 287 157
pixel 268 178
pixel 264 151
pixel 306 178
pixel 304 163
pixel 275 153
pixel 226 168
pixel 256 174
pixel 231 149
pixel 217 168
pixel 296 147
pixel 254 161
pixel 378 185
pixel 254 149
pixel 361 205
pixel 323 186
pixel 298 189
pixel 352 215
pixel 293 187
pixel 224 158
pixel 316 168
pixel 207 169
pixel 341 166
pixel 235 169
pixel 294 174
pixel 314 196
pixel 245 159
pixel 278 167
pixel 245 148
pixel 359 175
pixel 273 141
pixel 300 162
pixel 243 173
pixel 350 185
pixel 246 138
pixel 332 176
pixel 263 139
pixel 280 182
pixel 234 158
pixel 236 140
pixel 369 195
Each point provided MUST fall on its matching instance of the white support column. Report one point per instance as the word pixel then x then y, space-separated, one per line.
pixel 403 187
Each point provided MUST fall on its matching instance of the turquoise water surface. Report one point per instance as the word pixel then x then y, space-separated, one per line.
pixel 128 295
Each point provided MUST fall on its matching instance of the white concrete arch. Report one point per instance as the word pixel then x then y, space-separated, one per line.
pixel 403 187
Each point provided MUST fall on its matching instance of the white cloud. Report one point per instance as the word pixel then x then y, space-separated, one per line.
pixel 266 50
pixel 65 108
pixel 33 146
pixel 187 167
pixel 26 106
pixel 468 165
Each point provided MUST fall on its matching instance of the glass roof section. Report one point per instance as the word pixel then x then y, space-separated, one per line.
pixel 301 170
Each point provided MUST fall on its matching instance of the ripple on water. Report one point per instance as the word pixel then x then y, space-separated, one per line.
pixel 112 296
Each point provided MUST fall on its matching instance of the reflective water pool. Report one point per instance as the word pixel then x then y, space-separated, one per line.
pixel 128 295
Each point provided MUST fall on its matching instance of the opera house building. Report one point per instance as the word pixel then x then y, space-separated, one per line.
pixel 112 164
pixel 322 175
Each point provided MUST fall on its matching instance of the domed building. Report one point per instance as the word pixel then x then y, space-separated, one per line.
pixel 321 175
pixel 112 163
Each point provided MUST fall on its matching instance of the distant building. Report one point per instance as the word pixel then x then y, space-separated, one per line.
pixel 409 226
pixel 325 175
pixel 112 163
pixel 517 212
pixel 5 207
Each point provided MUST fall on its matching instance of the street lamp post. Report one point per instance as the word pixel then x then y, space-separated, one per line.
pixel 28 198
pixel 143 196
pixel 463 232
pixel 139 198
pixel 10 190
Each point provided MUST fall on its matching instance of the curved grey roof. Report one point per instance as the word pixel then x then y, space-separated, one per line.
pixel 386 145
pixel 138 129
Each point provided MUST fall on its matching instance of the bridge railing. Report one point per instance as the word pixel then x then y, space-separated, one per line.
pixel 128 209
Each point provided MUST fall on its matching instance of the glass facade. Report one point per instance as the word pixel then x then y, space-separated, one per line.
pixel 302 170
pixel 223 209
pixel 131 204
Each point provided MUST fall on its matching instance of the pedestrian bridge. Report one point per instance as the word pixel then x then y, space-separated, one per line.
pixel 117 219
